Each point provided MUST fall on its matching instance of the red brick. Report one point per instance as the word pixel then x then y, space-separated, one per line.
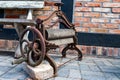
pixel 77 24
pixel 78 29
pixel 92 4
pixel 98 30
pixel 110 51
pixel 46 8
pixel 80 19
pixel 83 9
pixel 2 44
pixel 111 4
pixel 99 9
pixel 15 12
pixel 78 14
pixel 88 50
pixel 99 50
pixel 100 20
pixel 84 49
pixel 11 16
pixel 92 14
pixel 78 4
pixel 90 25
pixel 110 15
pixel 116 10
pixel 42 17
pixel 116 0
pixel 102 0
pixel 115 21
pixel 115 31
pixel 116 52
pixel 110 26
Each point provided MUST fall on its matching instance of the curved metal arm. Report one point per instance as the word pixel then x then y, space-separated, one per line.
pixel 65 20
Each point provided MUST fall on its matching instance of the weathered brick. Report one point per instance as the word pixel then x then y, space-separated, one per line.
pixel 84 0
pixel 116 0
pixel 79 29
pixel 78 4
pixel 41 17
pixel 98 30
pixel 92 14
pixel 99 50
pixel 16 12
pixel 116 10
pixel 83 9
pixel 110 51
pixel 102 9
pixel 81 19
pixel 110 15
pixel 77 24
pixel 41 13
pixel 46 8
pixel 102 0
pixel 111 4
pixel 114 31
pixel 84 49
pixel 78 14
pixel 88 50
pixel 116 52
pixel 90 25
pixel 11 16
pixel 100 20
pixel 2 44
pixel 110 26
pixel 92 4
pixel 115 21
pixel 38 13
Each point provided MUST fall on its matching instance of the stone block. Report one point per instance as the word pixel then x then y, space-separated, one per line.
pixel 40 72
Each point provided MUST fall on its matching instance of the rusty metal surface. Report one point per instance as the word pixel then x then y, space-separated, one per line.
pixel 59 33
pixel 22 4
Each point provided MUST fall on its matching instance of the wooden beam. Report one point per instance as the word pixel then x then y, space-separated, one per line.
pixel 22 4
pixel 18 21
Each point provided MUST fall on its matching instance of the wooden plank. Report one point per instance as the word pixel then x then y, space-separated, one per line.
pixel 22 4
pixel 18 21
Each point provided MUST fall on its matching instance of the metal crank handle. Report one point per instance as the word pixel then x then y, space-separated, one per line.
pixel 19 61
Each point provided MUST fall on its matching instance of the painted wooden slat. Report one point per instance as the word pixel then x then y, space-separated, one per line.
pixel 18 21
pixel 22 4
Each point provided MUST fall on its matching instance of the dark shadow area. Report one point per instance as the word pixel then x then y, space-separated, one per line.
pixel 6 53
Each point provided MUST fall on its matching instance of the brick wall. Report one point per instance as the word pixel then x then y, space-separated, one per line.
pixel 101 16
pixel 98 16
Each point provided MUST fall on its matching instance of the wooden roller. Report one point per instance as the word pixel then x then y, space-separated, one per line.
pixel 62 41
pixel 52 34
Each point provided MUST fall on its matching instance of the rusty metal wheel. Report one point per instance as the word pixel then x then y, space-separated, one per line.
pixel 32 46
pixel 72 50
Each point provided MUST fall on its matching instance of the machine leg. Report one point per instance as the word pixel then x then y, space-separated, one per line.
pixel 52 63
